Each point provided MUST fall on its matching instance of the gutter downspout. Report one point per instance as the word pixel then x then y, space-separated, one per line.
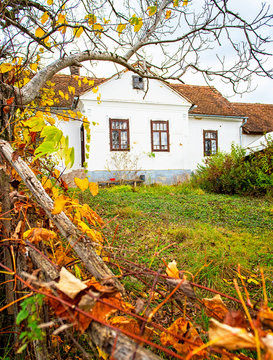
pixel 241 130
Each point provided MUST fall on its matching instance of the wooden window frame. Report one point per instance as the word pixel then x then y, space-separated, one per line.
pixel 119 130
pixel 160 131
pixel 82 145
pixel 204 140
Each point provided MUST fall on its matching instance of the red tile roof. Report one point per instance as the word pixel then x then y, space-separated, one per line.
pixel 208 100
pixel 260 117
pixel 81 84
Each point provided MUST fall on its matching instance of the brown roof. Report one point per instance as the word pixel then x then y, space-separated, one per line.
pixel 260 117
pixel 208 100
pixel 81 84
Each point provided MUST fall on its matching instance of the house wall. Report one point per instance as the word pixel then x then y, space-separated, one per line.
pixel 248 140
pixel 72 130
pixel 228 133
pixel 164 167
pixel 119 100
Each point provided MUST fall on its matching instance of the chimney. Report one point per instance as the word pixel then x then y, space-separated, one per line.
pixel 75 69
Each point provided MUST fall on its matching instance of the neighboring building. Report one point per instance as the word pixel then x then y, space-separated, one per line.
pixel 162 130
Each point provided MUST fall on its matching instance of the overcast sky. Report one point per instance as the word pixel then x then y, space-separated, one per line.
pixel 262 86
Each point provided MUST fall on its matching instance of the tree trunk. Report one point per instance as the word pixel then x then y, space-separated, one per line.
pixel 83 246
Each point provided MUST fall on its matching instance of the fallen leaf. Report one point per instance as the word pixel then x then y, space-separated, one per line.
pixel 178 334
pixel 268 342
pixel 125 323
pixel 235 318
pixel 35 235
pixel 266 316
pixel 215 307
pixel 172 270
pixel 69 284
pixel 228 337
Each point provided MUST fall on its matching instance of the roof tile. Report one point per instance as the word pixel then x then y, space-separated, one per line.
pixel 260 117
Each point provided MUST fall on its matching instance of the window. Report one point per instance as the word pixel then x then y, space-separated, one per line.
pixel 82 146
pixel 119 135
pixel 210 142
pixel 160 135
pixel 138 82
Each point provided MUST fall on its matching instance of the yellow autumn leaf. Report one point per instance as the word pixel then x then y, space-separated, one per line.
pixel 229 337
pixel 175 2
pixel 79 83
pixel 98 28
pixel 47 184
pixel 168 14
pixel 33 67
pixel 102 355
pixel 59 204
pixel 39 32
pixel 66 96
pixel 120 28
pixel 78 31
pixel 61 93
pixel 95 89
pixel 5 67
pixel 82 184
pixel 138 26
pixel 61 19
pixel 35 235
pixel 172 270
pixel 44 17
pixel 185 2
pixel 51 120
pixel 94 188
pixel 71 89
pixel 49 2
pixel 85 80
pixel 92 19
pixel 151 10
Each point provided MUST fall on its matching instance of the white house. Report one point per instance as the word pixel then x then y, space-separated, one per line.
pixel 159 129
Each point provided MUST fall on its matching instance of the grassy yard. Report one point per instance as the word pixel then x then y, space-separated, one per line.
pixel 208 235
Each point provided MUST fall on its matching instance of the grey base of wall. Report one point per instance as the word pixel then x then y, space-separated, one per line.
pixel 151 176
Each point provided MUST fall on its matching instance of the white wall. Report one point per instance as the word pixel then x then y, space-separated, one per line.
pixel 72 130
pixel 119 100
pixel 248 140
pixel 140 134
pixel 228 132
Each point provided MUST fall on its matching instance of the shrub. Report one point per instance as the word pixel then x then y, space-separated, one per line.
pixel 236 173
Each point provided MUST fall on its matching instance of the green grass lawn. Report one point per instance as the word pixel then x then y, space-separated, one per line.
pixel 207 234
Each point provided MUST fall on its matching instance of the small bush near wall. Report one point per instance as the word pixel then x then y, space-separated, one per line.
pixel 236 173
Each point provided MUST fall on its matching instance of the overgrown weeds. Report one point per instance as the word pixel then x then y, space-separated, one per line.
pixel 207 234
pixel 236 173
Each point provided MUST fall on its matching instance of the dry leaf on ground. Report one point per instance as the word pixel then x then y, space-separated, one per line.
pixel 182 329
pixel 266 316
pixel 231 338
pixel 215 307
pixel 35 235
pixel 172 270
pixel 69 284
